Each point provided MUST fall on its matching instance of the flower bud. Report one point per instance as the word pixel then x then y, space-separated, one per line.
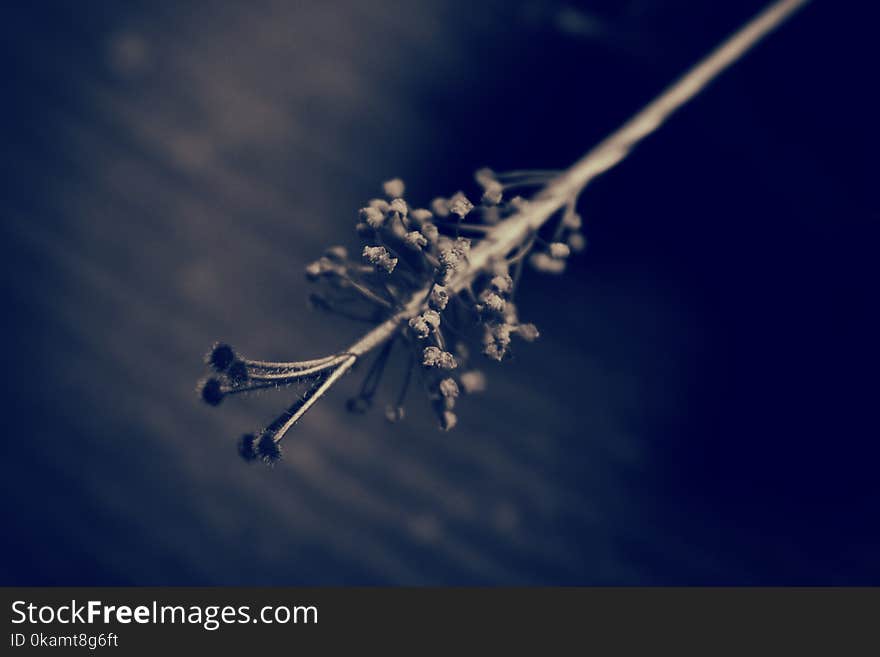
pixel 559 250
pixel 373 217
pixel 473 381
pixel 380 257
pixel 460 205
pixel 393 188
pixel 439 297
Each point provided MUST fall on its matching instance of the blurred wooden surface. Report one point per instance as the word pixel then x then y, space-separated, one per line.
pixel 174 168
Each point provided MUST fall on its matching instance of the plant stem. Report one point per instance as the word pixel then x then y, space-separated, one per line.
pixel 507 235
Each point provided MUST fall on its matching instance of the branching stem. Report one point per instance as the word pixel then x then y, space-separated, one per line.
pixel 506 236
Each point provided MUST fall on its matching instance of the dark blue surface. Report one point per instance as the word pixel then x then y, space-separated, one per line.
pixel 701 407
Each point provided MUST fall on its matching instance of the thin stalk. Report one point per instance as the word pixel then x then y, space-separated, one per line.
pixel 505 237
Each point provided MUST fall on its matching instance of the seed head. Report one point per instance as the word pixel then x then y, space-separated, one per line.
pixel 247 447
pixel 420 216
pixel 528 332
pixel 238 373
pixel 493 193
pixel 502 284
pixel 398 206
pixel 473 381
pixel 419 327
pixel 439 297
pixel 379 203
pixel 324 266
pixel 571 220
pixel 393 188
pixel 221 356
pixel 373 217
pixel 268 449
pixel 545 264
pixel 460 205
pixel 577 242
pixel 440 207
pixel 336 254
pixel 484 176
pixel 496 339
pixel 559 250
pixel 448 420
pixel 415 240
pixel 380 257
pixel 212 391
pixel 430 232
pixel 436 357
pixel 491 301
pixel 448 388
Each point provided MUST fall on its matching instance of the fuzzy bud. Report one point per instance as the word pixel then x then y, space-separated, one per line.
pixel 473 381
pixel 577 242
pixel 379 203
pixel 393 188
pixel 519 203
pixel 313 270
pixel 237 372
pixel 247 447
pixel 379 256
pixel 559 250
pixel 502 284
pixel 448 388
pixel 373 217
pixel 494 351
pixel 448 420
pixel 211 391
pixel 268 449
pixel 423 324
pixel 430 232
pixel 398 206
pixel 543 263
pixel 571 220
pixel 493 193
pixel 439 298
pixel 463 246
pixel 336 253
pixel 436 357
pixel 491 301
pixel 420 215
pixel 440 207
pixel 415 240
pixel 528 332
pixel 484 177
pixel 460 205
pixel 221 356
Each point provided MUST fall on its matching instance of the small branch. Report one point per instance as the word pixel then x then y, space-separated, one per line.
pixel 507 235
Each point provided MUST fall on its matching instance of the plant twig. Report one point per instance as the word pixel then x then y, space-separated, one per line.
pixel 507 235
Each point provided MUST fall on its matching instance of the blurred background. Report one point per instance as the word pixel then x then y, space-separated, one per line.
pixel 701 407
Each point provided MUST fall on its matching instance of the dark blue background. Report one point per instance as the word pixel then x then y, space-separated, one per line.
pixel 701 407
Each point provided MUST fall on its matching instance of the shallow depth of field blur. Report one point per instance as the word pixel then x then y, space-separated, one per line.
pixel 701 407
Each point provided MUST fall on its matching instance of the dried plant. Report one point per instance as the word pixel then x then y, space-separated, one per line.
pixel 428 276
